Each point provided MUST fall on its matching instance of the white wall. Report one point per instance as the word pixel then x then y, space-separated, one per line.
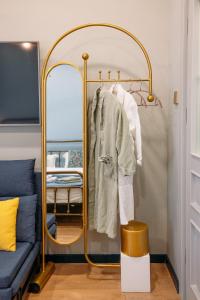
pixel 45 21
pixel 176 139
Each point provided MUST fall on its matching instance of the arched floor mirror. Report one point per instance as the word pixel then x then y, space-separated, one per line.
pixel 64 153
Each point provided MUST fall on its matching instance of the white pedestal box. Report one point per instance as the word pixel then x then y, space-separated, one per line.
pixel 135 273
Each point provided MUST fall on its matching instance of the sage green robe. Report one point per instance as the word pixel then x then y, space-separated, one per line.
pixel 111 149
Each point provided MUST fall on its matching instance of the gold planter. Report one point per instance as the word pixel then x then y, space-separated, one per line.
pixel 134 239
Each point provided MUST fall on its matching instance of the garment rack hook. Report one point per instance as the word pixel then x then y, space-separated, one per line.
pixel 100 73
pixel 118 75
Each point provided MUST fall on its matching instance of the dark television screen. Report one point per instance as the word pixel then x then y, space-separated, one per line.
pixel 19 86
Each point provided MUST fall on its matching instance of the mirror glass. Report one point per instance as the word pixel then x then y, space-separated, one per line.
pixel 64 153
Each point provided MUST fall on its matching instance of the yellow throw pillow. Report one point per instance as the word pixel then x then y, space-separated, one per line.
pixel 8 217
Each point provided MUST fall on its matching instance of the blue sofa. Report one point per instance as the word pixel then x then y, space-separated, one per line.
pixel 17 267
pixel 17 179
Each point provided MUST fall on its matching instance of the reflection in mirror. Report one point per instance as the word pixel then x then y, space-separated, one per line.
pixel 64 153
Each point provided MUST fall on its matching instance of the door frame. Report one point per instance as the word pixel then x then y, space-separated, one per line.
pixel 183 16
pixel 192 18
pixel 182 65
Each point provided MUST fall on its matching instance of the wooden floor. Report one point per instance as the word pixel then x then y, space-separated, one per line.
pixel 68 228
pixel 79 282
pixel 68 233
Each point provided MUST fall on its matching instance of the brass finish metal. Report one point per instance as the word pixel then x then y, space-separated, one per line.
pixel 121 80
pixel 85 54
pixel 85 57
pixel 100 72
pixel 118 75
pixel 41 279
pixel 150 98
pixel 43 158
pixel 134 239
pixel 61 63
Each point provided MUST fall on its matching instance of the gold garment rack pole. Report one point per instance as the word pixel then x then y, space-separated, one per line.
pixel 116 80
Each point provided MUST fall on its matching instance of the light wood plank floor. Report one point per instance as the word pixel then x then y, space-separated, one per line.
pixel 68 234
pixel 79 282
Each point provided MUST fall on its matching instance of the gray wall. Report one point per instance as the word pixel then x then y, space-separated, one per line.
pixel 45 21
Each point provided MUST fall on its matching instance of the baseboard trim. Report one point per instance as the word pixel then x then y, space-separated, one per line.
pixel 172 273
pixel 97 258
pixel 158 258
pixel 80 258
pixel 112 258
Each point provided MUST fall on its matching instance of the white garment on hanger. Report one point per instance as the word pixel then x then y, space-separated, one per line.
pixel 131 109
pixel 125 184
pixel 126 198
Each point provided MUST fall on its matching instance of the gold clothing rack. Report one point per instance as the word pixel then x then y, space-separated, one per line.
pixel 47 269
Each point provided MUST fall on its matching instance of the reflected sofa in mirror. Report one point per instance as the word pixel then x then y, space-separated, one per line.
pixel 64 153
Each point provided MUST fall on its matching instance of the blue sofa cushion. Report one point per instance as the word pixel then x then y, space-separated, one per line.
pixel 11 262
pixel 26 218
pixel 6 294
pixel 51 219
pixel 25 268
pixel 17 177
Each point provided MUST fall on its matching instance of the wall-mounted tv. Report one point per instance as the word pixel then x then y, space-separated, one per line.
pixel 19 83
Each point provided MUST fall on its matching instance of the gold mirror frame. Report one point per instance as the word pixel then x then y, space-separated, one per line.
pixel 85 57
pixel 44 189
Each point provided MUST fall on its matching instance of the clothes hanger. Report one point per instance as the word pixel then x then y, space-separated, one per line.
pixel 117 82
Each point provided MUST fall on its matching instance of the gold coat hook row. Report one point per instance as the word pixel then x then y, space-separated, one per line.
pixel 109 75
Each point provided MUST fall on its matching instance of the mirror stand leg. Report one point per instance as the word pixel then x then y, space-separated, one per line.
pixel 41 279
